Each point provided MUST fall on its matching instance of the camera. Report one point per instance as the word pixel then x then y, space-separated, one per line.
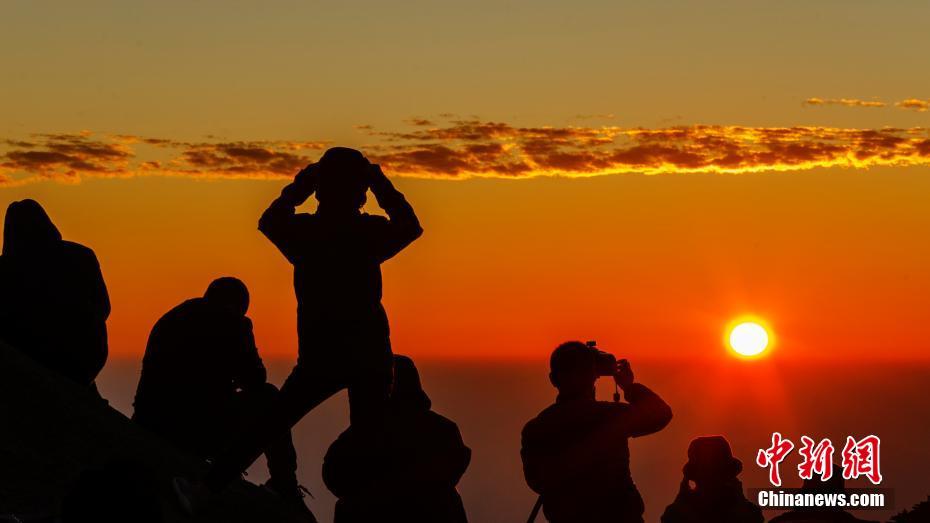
pixel 605 364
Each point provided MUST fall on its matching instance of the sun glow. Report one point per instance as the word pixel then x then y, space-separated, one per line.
pixel 748 338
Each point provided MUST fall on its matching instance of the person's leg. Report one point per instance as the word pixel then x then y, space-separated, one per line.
pixel 302 392
pixel 280 453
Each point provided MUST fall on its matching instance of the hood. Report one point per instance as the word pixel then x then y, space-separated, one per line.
pixel 408 393
pixel 27 228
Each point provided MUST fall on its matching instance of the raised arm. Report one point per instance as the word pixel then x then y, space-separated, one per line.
pixel 403 226
pixel 277 222
pixel 647 412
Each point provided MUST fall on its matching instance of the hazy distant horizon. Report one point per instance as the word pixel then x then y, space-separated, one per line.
pixel 749 402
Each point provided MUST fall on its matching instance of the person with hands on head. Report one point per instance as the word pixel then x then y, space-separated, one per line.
pixel 342 328
pixel 575 452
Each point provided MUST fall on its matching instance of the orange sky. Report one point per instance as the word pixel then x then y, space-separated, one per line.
pixel 648 265
pixel 636 174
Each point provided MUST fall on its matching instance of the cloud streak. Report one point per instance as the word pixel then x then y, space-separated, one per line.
pixel 71 157
pixel 463 148
pixel 845 102
pixel 911 104
pixel 914 104
pixel 466 148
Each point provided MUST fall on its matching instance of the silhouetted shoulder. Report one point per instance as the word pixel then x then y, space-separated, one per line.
pixel 80 257
pixel 376 220
pixel 375 226
pixel 183 308
pixel 534 425
pixel 446 429
pixel 305 218
pixel 78 250
pixel 441 421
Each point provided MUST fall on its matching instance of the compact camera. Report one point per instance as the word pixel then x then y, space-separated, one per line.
pixel 605 364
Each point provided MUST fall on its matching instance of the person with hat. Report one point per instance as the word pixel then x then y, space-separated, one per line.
pixel 711 491
pixel 407 471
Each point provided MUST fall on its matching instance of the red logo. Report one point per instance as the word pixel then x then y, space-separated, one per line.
pixel 860 458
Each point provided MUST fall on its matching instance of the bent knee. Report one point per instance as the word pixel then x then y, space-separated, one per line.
pixel 263 393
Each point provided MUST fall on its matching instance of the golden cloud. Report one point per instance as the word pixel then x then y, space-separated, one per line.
pixel 464 148
pixel 482 148
pixel 914 104
pixel 846 102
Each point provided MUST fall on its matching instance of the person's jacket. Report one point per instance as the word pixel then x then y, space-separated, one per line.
pixel 576 455
pixel 723 504
pixel 405 471
pixel 337 259
pixel 198 355
pixel 53 300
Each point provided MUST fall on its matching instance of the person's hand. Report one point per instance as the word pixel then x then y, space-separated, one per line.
pixel 307 174
pixel 377 180
pixel 302 187
pixel 624 374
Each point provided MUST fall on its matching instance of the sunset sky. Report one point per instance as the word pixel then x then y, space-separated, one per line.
pixel 637 174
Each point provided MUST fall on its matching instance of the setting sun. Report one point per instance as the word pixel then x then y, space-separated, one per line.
pixel 748 338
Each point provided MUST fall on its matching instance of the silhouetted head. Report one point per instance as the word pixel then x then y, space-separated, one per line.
pixel 27 228
pixel 230 293
pixel 710 461
pixel 835 485
pixel 573 369
pixel 407 392
pixel 342 181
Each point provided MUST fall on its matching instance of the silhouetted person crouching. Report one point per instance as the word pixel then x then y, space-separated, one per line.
pixel 342 328
pixel 408 471
pixel 203 381
pixel 711 491
pixel 53 300
pixel 575 453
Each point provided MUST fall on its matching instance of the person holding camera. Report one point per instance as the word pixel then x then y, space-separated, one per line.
pixel 575 453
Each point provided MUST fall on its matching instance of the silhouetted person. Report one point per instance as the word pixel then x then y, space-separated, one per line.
pixel 342 328
pixel 119 492
pixel 919 513
pixel 203 381
pixel 576 454
pixel 53 300
pixel 835 485
pixel 407 473
pixel 716 495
